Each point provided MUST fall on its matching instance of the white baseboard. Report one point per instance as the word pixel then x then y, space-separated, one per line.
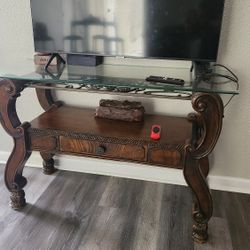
pixel 135 171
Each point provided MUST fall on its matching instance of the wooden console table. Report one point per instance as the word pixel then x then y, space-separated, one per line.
pixel 185 142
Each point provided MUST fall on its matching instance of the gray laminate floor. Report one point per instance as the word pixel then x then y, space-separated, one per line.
pixel 81 211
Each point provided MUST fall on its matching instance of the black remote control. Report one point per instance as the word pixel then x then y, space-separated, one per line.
pixel 167 80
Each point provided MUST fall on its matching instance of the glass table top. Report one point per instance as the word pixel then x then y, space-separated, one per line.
pixel 112 76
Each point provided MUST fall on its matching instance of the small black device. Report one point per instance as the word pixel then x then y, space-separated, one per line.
pixel 84 60
pixel 167 80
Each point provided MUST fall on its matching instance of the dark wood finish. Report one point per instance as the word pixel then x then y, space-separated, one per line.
pixel 46 99
pixel 165 157
pixel 208 125
pixel 204 166
pixel 209 116
pixel 43 143
pixel 9 91
pixel 48 163
pixel 120 151
pixel 203 205
pixel 76 131
pixel 81 124
pixel 184 143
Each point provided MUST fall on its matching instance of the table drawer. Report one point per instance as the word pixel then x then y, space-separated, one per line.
pixel 43 143
pixel 166 157
pixel 109 150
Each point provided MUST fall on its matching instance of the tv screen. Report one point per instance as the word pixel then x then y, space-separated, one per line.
pixel 171 29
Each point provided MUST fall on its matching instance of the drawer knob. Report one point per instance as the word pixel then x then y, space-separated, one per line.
pixel 101 150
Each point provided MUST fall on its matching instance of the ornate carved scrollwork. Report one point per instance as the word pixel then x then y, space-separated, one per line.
pixel 209 117
pixel 9 92
pixel 17 199
pixel 207 127
pixel 203 205
pixel 46 99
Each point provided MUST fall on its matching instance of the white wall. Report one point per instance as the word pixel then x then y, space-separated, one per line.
pixel 232 153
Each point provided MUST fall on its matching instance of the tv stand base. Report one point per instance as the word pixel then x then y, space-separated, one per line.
pixel 184 144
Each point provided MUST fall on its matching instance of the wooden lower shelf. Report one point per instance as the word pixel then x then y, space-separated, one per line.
pixel 70 130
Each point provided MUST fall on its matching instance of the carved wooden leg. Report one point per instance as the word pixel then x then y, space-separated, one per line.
pixel 13 173
pixel 17 199
pixel 46 99
pixel 204 166
pixel 9 91
pixel 203 204
pixel 207 124
pixel 48 163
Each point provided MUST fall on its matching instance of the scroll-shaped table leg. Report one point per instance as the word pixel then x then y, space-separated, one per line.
pixel 204 166
pixel 47 101
pixel 9 91
pixel 208 124
pixel 203 205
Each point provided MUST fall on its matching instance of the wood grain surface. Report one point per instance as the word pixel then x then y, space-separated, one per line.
pixel 76 131
pixel 174 131
pixel 133 152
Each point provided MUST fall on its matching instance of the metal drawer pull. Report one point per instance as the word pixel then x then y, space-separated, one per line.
pixel 101 150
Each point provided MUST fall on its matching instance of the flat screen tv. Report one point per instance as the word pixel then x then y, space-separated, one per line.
pixel 170 29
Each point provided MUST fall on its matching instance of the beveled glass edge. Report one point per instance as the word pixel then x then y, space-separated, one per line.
pixel 141 84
